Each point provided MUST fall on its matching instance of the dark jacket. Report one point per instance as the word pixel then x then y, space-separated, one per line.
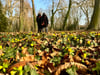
pixel 44 21
pixel 38 19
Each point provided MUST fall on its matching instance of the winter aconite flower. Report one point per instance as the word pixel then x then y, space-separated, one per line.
pixel 13 72
pixel 68 39
pixel 32 44
pixel 53 34
pixel 2 54
pixel 84 55
pixel 22 48
pixel 62 33
pixel 0 46
pixel 98 34
pixel 12 40
pixel 75 38
pixel 88 42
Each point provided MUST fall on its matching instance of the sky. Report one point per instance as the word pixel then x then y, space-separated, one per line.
pixel 39 4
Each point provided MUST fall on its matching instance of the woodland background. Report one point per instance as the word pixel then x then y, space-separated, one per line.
pixel 20 16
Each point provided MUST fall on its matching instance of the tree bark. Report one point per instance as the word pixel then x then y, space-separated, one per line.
pixel 21 15
pixel 34 16
pixel 52 17
pixel 67 14
pixel 95 20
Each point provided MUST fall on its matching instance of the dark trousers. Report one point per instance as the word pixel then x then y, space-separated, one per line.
pixel 39 29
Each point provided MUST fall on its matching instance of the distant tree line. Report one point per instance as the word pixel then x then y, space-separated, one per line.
pixel 19 16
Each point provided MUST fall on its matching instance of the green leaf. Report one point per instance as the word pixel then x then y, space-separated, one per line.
pixel 47 49
pixel 71 72
pixel 21 72
pixel 26 68
pixel 5 65
pixel 4 70
pixel 33 72
pixel 15 68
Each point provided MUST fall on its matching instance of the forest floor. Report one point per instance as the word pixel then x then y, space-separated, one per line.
pixel 52 53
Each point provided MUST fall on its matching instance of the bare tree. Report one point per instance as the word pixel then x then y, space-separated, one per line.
pixel 67 14
pixel 86 6
pixel 55 9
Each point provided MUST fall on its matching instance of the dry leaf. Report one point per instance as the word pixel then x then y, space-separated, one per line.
pixel 24 51
pixel 27 58
pixel 77 58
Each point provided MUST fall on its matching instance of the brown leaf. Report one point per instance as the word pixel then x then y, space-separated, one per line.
pixel 27 58
pixel 1 52
pixel 92 60
pixel 17 55
pixel 82 68
pixel 77 58
pixel 51 68
pixel 71 58
pixel 16 65
pixel 24 51
pixel 87 62
pixel 22 63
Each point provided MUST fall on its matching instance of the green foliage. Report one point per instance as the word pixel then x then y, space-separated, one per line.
pixel 56 60
pixel 3 20
pixel 72 70
pixel 97 68
pixel 29 71
pixel 4 66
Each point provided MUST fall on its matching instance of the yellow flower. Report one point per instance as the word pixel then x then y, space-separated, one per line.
pixel 71 34
pixel 0 46
pixel 62 32
pixel 53 34
pixel 2 54
pixel 32 44
pixel 83 32
pixel 75 37
pixel 12 40
pixel 84 55
pixel 22 48
pixel 99 34
pixel 65 36
pixel 70 50
pixel 13 72
pixel 1 67
pixel 92 32
pixel 68 39
pixel 89 42
pixel 15 39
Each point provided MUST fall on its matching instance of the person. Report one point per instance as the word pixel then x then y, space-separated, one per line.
pixel 38 19
pixel 44 22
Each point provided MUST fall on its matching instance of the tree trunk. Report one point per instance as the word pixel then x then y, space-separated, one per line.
pixel 52 17
pixel 34 16
pixel 21 15
pixel 67 14
pixel 95 20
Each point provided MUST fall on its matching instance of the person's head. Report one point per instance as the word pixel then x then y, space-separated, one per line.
pixel 39 14
pixel 44 14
